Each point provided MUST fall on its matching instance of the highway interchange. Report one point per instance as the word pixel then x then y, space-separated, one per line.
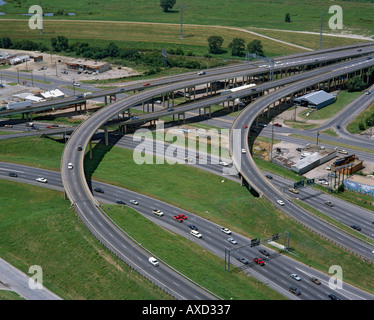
pixel 81 196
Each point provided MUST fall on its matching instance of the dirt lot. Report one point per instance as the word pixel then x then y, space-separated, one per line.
pixel 55 64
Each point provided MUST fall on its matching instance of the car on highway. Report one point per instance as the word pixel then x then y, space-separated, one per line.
pixel 329 203
pixel 79 96
pixel 225 230
pixel 153 261
pixel 367 92
pixel 269 176
pixel 70 166
pixel 120 202
pixel 277 124
pixel 244 151
pixel 261 124
pixel 121 89
pixel 49 127
pixel 242 260
pixel 176 218
pixel 196 234
pixel 41 179
pixel 76 84
pixel 134 118
pixel 264 252
pixel 356 227
pixel 333 296
pixel 245 126
pixel 99 190
pixel 13 174
pixel 280 202
pixel 134 202
pixel 342 151
pixel 315 280
pixel 8 126
pixel 157 212
pixel 201 73
pixel 223 163
pixel 146 84
pixel 259 261
pixel 79 148
pixel 182 216
pixel 294 290
pixel 193 227
pixel 295 276
pixel 293 190
pixel 170 109
pixel 232 241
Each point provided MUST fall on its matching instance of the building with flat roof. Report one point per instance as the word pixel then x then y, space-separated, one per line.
pixel 316 100
pixel 92 66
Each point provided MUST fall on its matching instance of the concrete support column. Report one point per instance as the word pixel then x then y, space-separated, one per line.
pixel 106 135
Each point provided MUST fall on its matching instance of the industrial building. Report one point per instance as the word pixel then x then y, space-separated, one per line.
pixel 310 157
pixel 360 184
pixel 315 100
pixel 90 66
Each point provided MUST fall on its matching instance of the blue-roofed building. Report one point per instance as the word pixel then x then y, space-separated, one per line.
pixel 316 100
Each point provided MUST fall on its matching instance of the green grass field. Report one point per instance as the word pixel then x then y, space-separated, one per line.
pixel 305 15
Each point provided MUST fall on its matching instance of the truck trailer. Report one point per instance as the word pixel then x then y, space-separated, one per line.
pixel 18 105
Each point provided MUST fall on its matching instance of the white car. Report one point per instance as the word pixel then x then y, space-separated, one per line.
pixel 157 212
pixel 134 202
pixel 70 166
pixel 225 230
pixel 76 84
pixel 231 240
pixel 244 151
pixel 196 234
pixel 153 261
pixel 295 276
pixel 41 179
pixel 280 202
pixel 201 73
pixel 223 163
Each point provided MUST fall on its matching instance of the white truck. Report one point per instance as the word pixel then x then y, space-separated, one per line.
pixel 87 94
pixel 18 105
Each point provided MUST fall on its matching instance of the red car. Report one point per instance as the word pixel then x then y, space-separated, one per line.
pixel 49 127
pixel 177 218
pixel 259 261
pixel 277 125
pixel 147 84
pixel 245 126
pixel 182 216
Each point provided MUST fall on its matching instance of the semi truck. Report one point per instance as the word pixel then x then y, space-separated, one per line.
pixel 18 105
pixel 233 90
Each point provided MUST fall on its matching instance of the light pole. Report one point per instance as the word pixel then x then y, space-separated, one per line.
pixel 317 137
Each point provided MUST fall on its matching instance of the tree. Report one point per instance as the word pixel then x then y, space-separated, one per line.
pixel 237 47
pixel 60 43
pixel 356 84
pixel 6 43
pixel 255 46
pixel 112 50
pixel 215 44
pixel 166 5
pixel 287 18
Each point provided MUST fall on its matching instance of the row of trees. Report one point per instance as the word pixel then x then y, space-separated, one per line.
pixel 237 46
pixel 150 58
